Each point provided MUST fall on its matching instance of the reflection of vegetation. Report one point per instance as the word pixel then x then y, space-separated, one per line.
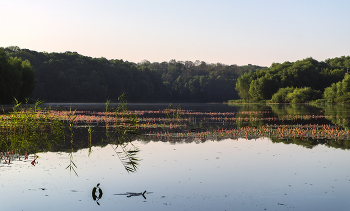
pixel 29 130
pixel 293 109
pixel 127 156
pixel 120 127
pixel 72 165
pixel 125 130
pixel 342 144
pixel 90 137
pixel 310 143
pixel 337 114
pixel 173 113
pixel 32 129
pixel 71 117
pixel 251 115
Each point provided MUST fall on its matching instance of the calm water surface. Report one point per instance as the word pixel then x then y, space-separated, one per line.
pixel 212 175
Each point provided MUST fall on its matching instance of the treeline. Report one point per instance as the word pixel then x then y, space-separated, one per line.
pixel 71 77
pixel 297 82
pixel 338 92
pixel 16 78
pixel 198 81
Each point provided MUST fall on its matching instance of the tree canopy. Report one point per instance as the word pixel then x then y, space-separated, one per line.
pixel 338 92
pixel 16 78
pixel 308 77
pixel 71 77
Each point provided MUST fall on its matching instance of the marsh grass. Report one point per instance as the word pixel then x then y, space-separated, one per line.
pixel 32 129
pixel 29 129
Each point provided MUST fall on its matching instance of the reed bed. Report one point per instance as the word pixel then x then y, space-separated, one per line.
pixel 175 124
pixel 48 120
pixel 278 131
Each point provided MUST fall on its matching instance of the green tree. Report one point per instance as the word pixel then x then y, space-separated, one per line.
pixel 281 95
pixel 16 78
pixel 302 95
pixel 260 89
pixel 330 93
pixel 338 92
pixel 243 85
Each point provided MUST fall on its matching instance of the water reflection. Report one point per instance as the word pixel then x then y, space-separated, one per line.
pixel 34 130
pixel 97 193
pixel 225 175
pixel 128 156
pixel 130 194
pixel 196 160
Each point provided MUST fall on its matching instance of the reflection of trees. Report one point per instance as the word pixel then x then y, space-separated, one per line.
pixel 293 109
pixel 337 114
pixel 308 143
pixel 33 131
pixel 341 144
pixel 311 143
pixel 305 142
pixel 255 115
pixel 251 115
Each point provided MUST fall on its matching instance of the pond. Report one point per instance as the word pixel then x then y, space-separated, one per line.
pixel 179 157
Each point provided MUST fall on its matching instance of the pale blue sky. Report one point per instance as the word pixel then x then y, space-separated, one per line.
pixel 231 32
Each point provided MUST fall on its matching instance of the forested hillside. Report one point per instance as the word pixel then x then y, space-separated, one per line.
pixel 16 78
pixel 71 77
pixel 297 82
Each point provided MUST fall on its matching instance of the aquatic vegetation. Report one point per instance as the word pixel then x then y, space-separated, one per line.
pixel 29 130
pixel 9 157
pixel 173 113
pixel 33 129
pixel 229 137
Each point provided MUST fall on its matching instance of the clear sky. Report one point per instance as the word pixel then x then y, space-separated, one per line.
pixel 227 31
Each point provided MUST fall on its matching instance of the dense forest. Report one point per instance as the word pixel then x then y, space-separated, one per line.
pixel 16 78
pixel 298 82
pixel 71 77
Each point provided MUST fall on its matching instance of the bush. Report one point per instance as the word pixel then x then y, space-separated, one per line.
pixel 338 92
pixel 295 95
pixel 303 95
pixel 281 94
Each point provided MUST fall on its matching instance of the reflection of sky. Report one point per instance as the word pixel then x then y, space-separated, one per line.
pixel 225 175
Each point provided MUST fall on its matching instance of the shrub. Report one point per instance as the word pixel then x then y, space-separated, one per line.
pixel 295 95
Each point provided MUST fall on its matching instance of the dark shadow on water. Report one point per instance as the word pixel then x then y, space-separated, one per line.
pixel 130 194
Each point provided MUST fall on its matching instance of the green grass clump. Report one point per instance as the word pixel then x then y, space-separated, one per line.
pixel 29 129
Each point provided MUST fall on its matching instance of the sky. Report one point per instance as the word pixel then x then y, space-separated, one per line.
pixel 258 32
